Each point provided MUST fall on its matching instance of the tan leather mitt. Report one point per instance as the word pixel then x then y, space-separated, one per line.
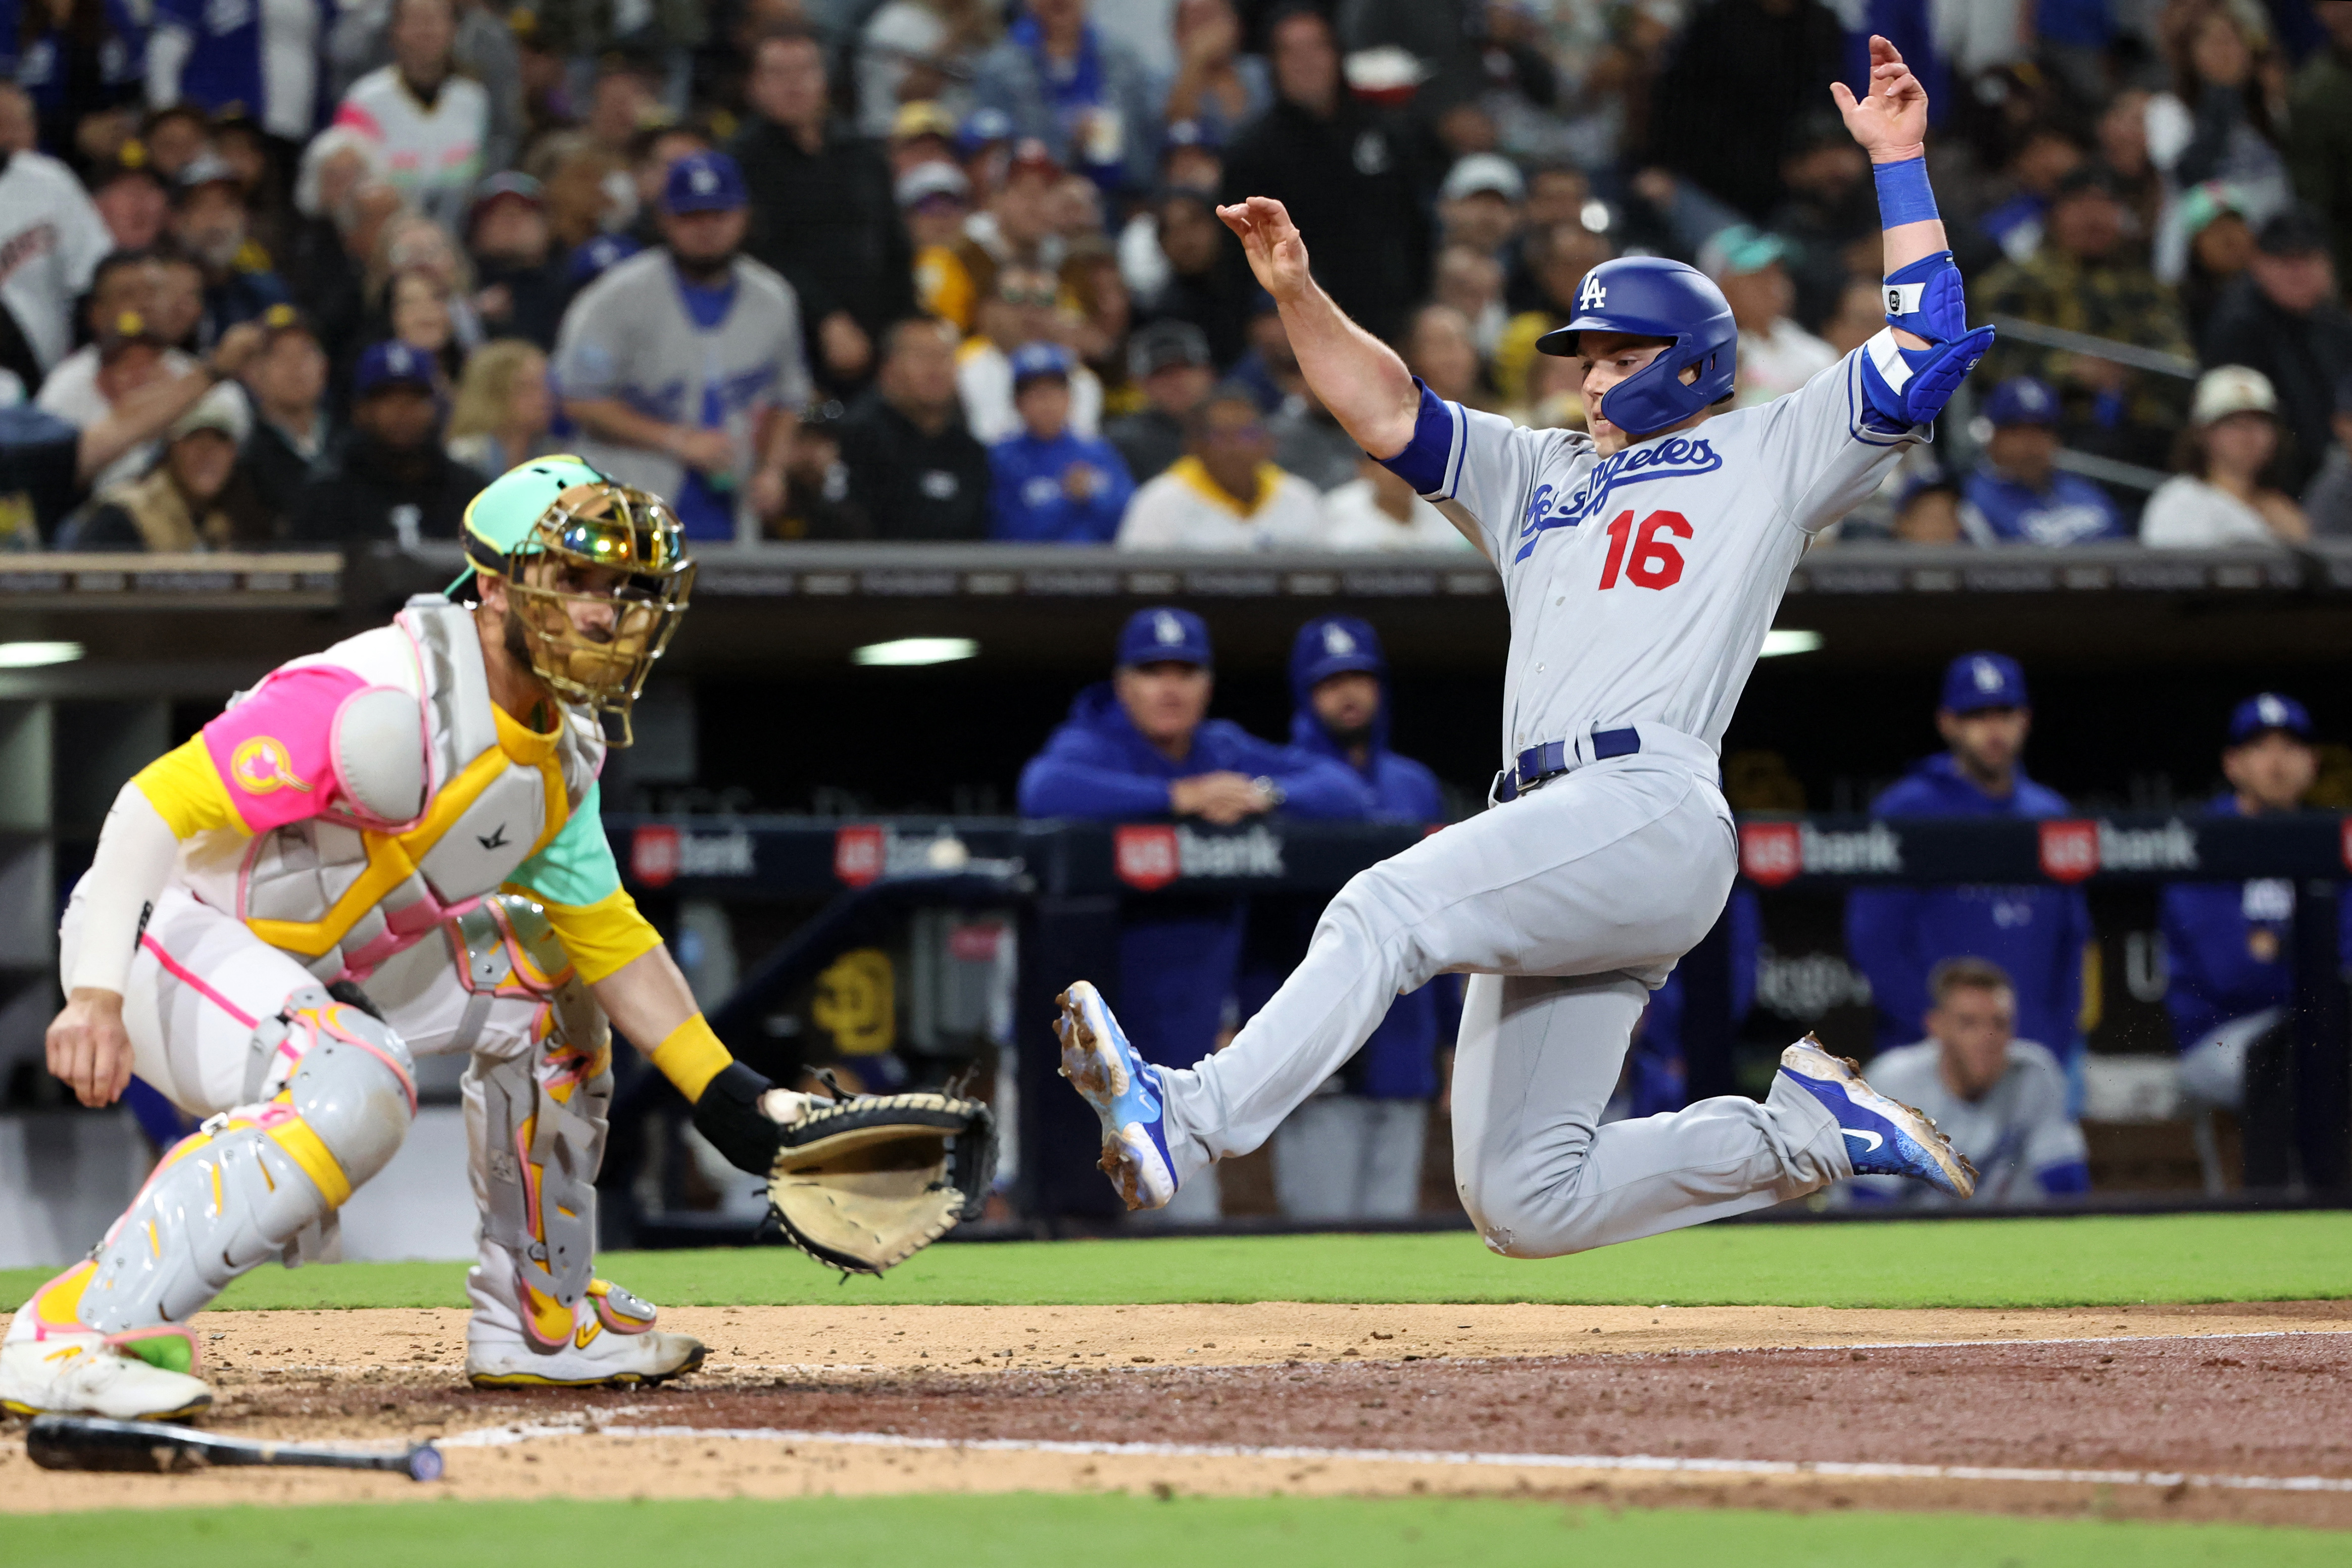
pixel 867 1182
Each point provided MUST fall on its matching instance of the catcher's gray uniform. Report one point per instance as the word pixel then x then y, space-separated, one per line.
pixel 1640 587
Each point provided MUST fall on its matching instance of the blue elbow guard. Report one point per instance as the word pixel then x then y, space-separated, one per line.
pixel 1910 386
pixel 1926 299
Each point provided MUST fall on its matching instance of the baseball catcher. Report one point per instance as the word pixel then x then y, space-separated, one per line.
pixel 390 849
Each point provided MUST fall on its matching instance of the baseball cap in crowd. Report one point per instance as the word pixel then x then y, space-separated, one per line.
pixel 205 169
pixel 600 255
pixel 2298 231
pixel 1489 172
pixel 132 161
pixel 508 185
pixel 704 182
pixel 2021 400
pixel 1738 250
pixel 1159 345
pixel 284 317
pixel 2202 204
pixel 926 181
pixel 1031 156
pixel 1031 361
pixel 128 327
pixel 2265 711
pixel 924 117
pixel 2231 389
pixel 1164 636
pixel 1191 133
pixel 1979 681
pixel 981 128
pixel 391 364
pixel 1334 644
pixel 221 409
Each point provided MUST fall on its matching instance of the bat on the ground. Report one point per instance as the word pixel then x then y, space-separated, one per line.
pixel 93 1443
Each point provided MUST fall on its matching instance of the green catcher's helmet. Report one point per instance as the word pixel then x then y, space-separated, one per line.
pixel 560 535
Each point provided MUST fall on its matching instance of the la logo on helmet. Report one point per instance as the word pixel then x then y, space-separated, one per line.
pixel 1593 295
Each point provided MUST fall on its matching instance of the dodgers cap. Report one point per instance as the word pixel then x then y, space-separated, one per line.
pixel 1979 681
pixel 704 182
pixel 2021 400
pixel 2268 710
pixel 393 363
pixel 1164 634
pixel 1334 644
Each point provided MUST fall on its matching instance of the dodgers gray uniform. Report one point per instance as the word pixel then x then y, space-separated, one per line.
pixel 629 337
pixel 1640 588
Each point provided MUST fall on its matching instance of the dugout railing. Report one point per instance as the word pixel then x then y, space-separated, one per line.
pixel 1067 884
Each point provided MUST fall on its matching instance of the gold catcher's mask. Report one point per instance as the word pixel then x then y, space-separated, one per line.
pixel 594 546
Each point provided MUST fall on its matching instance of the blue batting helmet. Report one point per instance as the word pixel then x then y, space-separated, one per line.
pixel 1651 297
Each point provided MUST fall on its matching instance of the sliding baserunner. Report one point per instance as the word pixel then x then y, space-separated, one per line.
pixel 1642 564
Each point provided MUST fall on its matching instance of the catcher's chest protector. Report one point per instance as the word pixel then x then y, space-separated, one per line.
pixel 342 896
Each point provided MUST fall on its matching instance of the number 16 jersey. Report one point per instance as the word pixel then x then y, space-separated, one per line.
pixel 1641 584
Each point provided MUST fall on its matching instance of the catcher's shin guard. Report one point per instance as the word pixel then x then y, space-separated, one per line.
pixel 333 1092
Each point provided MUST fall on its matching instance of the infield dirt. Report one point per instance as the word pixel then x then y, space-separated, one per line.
pixel 1454 1393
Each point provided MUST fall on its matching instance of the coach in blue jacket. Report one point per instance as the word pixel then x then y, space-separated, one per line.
pixel 1142 746
pixel 1354 1150
pixel 2038 934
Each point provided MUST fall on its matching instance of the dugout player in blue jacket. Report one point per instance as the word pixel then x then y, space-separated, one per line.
pixel 1052 485
pixel 1141 746
pixel 1897 936
pixel 2017 494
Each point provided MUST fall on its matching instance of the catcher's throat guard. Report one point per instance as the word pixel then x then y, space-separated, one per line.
pixel 603 544
pixel 867 1182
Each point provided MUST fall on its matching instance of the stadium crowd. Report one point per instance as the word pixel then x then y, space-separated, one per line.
pixel 290 273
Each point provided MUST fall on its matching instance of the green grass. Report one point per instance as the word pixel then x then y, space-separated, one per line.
pixel 2088 1261
pixel 1029 1529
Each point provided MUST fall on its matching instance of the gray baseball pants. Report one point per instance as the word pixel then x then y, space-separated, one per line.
pixel 1566 906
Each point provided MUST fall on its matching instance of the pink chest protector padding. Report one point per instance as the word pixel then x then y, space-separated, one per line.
pixel 379 755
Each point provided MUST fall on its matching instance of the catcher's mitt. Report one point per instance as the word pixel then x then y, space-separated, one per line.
pixel 866 1181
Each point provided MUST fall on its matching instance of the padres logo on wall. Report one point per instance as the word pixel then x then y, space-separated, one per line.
pixel 259 765
pixel 857 1003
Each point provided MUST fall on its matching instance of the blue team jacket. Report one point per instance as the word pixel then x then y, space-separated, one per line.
pixel 1895 935
pixel 2212 972
pixel 225 60
pixel 1998 510
pixel 1178 955
pixel 1027 504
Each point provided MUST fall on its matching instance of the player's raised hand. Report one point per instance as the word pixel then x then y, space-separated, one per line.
pixel 1891 120
pixel 1271 242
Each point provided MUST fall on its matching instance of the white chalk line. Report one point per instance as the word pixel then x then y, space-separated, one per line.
pixel 1642 1464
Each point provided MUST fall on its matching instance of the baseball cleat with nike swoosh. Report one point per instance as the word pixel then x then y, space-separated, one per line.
pixel 1124 1090
pixel 1883 1137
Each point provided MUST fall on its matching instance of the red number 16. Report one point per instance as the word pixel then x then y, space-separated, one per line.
pixel 1655 563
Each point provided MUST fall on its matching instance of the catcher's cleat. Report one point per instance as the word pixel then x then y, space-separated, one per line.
pixel 1124 1090
pixel 54 1364
pixel 1885 1137
pixel 608 1339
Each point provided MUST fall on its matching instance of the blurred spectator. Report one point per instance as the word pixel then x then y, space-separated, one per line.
pixel 2045 156
pixel 2122 148
pixel 816 481
pixel 522 284
pixel 2319 131
pixel 239 142
pixel 823 211
pixel 1376 511
pixel 287 383
pixel 1555 387
pixel 1190 159
pixel 934 199
pixel 915 472
pixel 430 122
pixel 1202 282
pixel 178 307
pixel 69 61
pixel 208 221
pixel 2212 219
pixel 652 150
pixel 1169 364
pixel 1061 80
pixel 263 58
pixel 682 366
pixel 2001 1101
pixel 418 310
pixel 623 101
pixel 1051 485
pixel 1928 511
pixel 1775 355
pixel 2216 123
pixel 1347 179
pixel 1353 1150
pixel 175 132
pixel 1560 257
pixel 2229 967
pixel 342 203
pixel 1860 312
pixel 1478 206
pixel 484 50
pixel 2219 499
pixel 124 355
pixel 2329 502
pixel 582 182
pixel 51 237
pixel 1025 308
pixel 129 196
pixel 1831 216
pixel 919 52
pixel 2041 935
pixel 2082 280
pixel 1472 282
pixel 1216 87
pixel 2017 494
pixel 1016 229
pixel 2282 318
pixel 1743 71
pixel 193 498
pixel 1309 442
pixel 503 407
pixel 387 478
pixel 1225 493
pixel 1439 348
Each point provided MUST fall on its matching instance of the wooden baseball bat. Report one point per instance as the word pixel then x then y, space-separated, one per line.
pixel 93 1443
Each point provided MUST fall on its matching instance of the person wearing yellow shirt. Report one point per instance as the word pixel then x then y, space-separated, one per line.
pixel 1225 493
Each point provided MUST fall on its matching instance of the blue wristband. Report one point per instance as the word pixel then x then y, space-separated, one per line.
pixel 1904 194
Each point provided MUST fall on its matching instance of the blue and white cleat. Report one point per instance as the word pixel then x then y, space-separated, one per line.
pixel 1885 1137
pixel 1124 1090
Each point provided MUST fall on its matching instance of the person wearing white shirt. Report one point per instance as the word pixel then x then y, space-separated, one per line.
pixel 1775 355
pixel 1023 309
pixel 51 240
pixel 2221 500
pixel 429 122
pixel 1378 510
pixel 1225 493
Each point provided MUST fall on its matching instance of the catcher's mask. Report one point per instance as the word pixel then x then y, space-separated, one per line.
pixel 565 539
